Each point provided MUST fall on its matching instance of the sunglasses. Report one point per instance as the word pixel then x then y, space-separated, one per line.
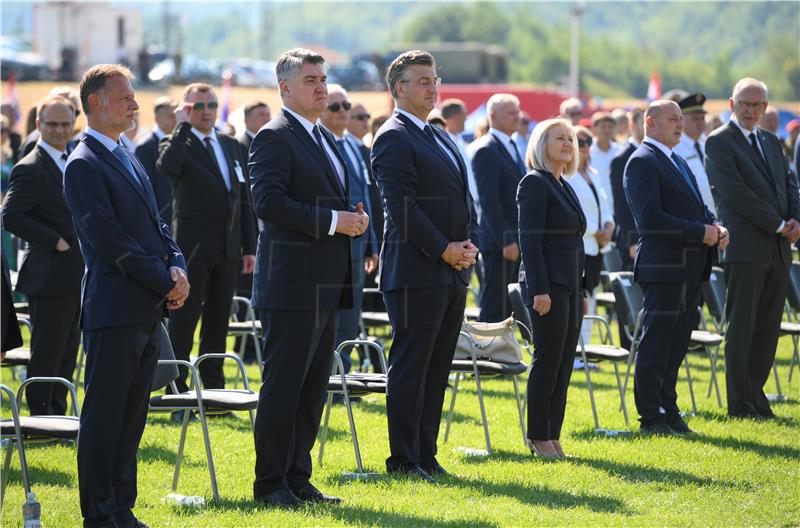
pixel 335 107
pixel 585 142
pixel 362 117
pixel 200 106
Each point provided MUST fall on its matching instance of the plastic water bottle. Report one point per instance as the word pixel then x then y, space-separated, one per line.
pixel 32 512
pixel 191 501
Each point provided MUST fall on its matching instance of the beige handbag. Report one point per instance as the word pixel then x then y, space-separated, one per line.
pixel 492 341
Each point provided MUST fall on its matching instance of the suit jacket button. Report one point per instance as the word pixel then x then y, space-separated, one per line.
pixel 166 258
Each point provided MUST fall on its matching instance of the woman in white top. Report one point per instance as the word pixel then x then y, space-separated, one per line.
pixel 599 220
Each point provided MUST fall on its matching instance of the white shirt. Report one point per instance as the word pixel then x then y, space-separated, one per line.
pixel 218 152
pixel 422 124
pixel 600 161
pixel 160 134
pixel 594 215
pixel 685 149
pixel 508 143
pixel 104 140
pixel 663 148
pixel 340 172
pixel 54 153
pixel 522 143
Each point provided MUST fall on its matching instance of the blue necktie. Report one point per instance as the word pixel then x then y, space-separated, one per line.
pixel 350 169
pixel 686 176
pixel 321 144
pixel 122 156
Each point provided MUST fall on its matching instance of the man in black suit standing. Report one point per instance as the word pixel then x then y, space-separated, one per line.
pixel 147 152
pixel 627 236
pixel 757 196
pixel 424 260
pixel 134 270
pixel 52 267
pixel 498 167
pixel 302 276
pixel 214 225
pixel 256 115
pixel 677 235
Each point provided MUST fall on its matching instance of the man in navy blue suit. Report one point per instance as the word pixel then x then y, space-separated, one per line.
pixel 134 270
pixel 425 258
pixel 302 276
pixel 498 167
pixel 677 235
pixel 626 228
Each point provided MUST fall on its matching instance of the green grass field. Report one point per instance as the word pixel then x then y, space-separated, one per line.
pixel 732 473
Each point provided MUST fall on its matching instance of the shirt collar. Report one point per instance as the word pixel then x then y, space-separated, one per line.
pixel 54 153
pixel 202 137
pixel 160 134
pixel 106 141
pixel 308 125
pixel 662 147
pixel 251 135
pixel 355 139
pixel 414 119
pixel 501 135
pixel 633 141
pixel 742 129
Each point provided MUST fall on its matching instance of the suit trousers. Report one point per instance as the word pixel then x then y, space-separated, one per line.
pixel 298 356
pixel 54 350
pixel 213 283
pixel 670 315
pixel 498 273
pixel 425 326
pixel 555 338
pixel 120 363
pixel 754 308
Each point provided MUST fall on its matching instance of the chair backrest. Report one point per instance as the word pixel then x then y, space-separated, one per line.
pixel 612 261
pixel 520 311
pixel 628 297
pixel 714 294
pixel 793 291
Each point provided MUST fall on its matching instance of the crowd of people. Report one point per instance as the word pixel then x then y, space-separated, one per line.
pixel 308 206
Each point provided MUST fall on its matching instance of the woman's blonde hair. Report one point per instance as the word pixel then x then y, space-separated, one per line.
pixel 536 156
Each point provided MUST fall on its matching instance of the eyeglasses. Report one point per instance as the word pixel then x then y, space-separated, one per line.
pixel 752 106
pixel 200 106
pixel 525 122
pixel 584 142
pixel 361 117
pixel 335 107
pixel 427 82
pixel 55 125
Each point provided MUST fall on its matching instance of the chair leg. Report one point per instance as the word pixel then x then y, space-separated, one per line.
pixel 631 362
pixel 257 344
pixel 712 357
pixel 6 467
pixel 323 437
pixel 353 433
pixel 795 357
pixel 454 393
pixel 519 408
pixel 207 439
pixel 525 397
pixel 621 394
pixel 181 444
pixel 591 393
pixel 777 380
pixel 483 410
pixel 689 381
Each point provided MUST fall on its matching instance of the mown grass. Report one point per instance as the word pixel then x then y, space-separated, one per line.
pixel 732 473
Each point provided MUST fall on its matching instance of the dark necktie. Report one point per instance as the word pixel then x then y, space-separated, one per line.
pixel 687 178
pixel 518 158
pixel 431 134
pixel 122 155
pixel 754 144
pixel 64 156
pixel 210 149
pixel 321 145
pixel 699 150
pixel 350 168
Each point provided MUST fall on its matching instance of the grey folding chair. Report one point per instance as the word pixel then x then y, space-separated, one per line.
pixel 11 431
pixel 21 356
pixel 348 385
pixel 792 326
pixel 248 328
pixel 204 402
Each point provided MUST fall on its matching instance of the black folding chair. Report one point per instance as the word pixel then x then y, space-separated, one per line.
pixel 792 326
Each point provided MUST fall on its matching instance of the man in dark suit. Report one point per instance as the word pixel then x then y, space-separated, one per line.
pixel 133 270
pixel 627 236
pixel 424 260
pixel 73 97
pixel 498 167
pixel 256 115
pixel 363 250
pixel 52 267
pixel 302 276
pixel 214 225
pixel 147 152
pixel 757 197
pixel 677 234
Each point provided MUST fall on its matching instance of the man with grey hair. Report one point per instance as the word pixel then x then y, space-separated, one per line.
pixel 303 277
pixel 498 166
pixel 425 260
pixel 571 109
pixel 72 96
pixel 757 196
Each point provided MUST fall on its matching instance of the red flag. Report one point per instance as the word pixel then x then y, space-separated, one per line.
pixel 654 88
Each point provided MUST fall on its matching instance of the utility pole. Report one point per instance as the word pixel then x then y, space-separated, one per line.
pixel 574 57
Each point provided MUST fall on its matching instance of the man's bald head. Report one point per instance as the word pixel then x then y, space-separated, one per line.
pixel 663 121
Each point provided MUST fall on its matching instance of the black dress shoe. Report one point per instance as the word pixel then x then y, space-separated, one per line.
pixel 282 498
pixel 411 471
pixel 660 429
pixel 309 493
pixel 679 426
pixel 435 469
pixel 135 523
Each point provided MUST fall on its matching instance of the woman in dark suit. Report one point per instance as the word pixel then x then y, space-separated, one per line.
pixel 551 227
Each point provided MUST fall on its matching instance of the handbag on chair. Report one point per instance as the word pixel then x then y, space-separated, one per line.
pixel 492 341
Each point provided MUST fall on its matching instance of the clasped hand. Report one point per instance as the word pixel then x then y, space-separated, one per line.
pixel 460 255
pixel 791 230
pixel 716 235
pixel 354 223
pixel 178 294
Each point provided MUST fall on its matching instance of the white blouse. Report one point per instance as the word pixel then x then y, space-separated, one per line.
pixel 593 214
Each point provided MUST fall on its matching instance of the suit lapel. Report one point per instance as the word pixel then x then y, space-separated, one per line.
pixel 200 151
pixel 327 136
pixel 50 166
pixel 503 151
pixel 229 160
pixel 305 138
pixel 674 170
pixel 425 140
